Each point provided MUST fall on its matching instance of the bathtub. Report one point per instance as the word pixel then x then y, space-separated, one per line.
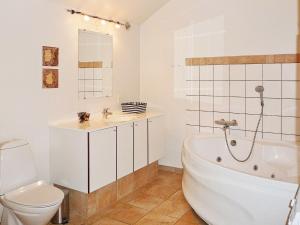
pixel 225 192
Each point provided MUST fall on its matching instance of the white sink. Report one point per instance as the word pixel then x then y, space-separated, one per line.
pixel 120 118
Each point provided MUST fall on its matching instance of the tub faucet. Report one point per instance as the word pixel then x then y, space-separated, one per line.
pixel 106 113
pixel 226 123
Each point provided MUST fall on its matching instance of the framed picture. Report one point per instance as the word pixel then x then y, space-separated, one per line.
pixel 50 56
pixel 50 78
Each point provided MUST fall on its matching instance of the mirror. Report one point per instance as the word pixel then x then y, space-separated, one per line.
pixel 95 64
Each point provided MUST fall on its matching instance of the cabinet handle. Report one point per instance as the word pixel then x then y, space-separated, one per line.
pixel 150 121
pixel 136 125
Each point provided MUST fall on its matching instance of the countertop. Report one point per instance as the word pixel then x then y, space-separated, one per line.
pixel 98 123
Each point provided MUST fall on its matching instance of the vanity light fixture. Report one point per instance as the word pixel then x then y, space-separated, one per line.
pixel 87 17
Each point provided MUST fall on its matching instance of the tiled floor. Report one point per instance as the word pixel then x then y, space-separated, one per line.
pixel 158 203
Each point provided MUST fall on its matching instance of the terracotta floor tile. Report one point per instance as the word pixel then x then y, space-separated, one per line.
pixel 108 221
pixel 190 218
pixel 145 201
pixel 172 209
pixel 168 178
pixel 159 190
pixel 126 213
pixel 156 219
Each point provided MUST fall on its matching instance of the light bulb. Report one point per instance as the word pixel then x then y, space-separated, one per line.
pixel 103 22
pixel 86 18
pixel 118 26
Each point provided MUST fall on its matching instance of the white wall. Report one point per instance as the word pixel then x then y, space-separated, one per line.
pixel 25 107
pixel 195 28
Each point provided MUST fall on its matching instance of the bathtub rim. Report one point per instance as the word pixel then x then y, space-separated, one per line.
pixel 215 136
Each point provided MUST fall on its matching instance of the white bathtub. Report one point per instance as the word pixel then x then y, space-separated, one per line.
pixel 233 193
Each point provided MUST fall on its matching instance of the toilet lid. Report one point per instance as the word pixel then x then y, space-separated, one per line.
pixel 39 194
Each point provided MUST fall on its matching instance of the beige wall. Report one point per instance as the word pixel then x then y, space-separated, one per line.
pixel 26 108
pixel 196 28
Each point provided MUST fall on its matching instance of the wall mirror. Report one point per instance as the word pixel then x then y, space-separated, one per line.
pixel 95 64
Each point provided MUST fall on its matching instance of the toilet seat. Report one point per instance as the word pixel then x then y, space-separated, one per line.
pixel 37 195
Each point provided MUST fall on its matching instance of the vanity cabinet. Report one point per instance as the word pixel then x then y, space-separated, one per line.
pixel 156 136
pixel 87 157
pixel 124 150
pixel 140 144
pixel 102 158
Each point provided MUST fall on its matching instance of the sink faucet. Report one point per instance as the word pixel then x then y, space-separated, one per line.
pixel 106 113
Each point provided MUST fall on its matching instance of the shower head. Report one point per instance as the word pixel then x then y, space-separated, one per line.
pixel 260 90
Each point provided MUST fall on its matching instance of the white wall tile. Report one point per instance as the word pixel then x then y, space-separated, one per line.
pixel 206 130
pixel 250 88
pixel 251 122
pixel 206 119
pixel 219 116
pixel 269 136
pixel 253 105
pixel 192 117
pixel 250 135
pixel 237 88
pixel 221 72
pixel 290 107
pixel 89 85
pixel 81 85
pixel 291 125
pixel 272 71
pixel 206 72
pixel 272 89
pixel 290 138
pixel 192 87
pixel 272 107
pixel 237 105
pixel 290 89
pixel 221 88
pixel 254 72
pixel 206 103
pixel 98 85
pixel 222 104
pixel 290 71
pixel 192 73
pixel 191 130
pixel 237 133
pixel 272 124
pixel 192 102
pixel 237 72
pixel 240 118
pixel 206 88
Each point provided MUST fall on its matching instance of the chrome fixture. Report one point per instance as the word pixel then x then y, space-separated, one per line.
pixel 228 124
pixel 233 142
pixel 260 90
pixel 87 17
pixel 106 113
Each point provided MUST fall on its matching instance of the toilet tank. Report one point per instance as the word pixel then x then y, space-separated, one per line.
pixel 16 165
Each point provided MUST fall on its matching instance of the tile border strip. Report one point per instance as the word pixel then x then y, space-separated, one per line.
pixel 246 59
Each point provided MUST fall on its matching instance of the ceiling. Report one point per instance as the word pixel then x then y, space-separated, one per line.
pixel 133 11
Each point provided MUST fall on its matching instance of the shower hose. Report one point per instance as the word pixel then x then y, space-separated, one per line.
pixel 253 141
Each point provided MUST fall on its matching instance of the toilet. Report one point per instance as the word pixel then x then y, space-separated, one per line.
pixel 25 199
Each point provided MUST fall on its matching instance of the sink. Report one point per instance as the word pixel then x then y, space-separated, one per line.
pixel 120 118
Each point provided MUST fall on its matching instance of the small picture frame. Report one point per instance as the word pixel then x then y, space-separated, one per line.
pixel 50 56
pixel 50 78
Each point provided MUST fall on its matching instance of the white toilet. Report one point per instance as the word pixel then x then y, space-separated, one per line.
pixel 26 200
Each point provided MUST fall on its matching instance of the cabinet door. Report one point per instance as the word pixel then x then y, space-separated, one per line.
pixel 140 144
pixel 124 150
pixel 102 158
pixel 156 138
